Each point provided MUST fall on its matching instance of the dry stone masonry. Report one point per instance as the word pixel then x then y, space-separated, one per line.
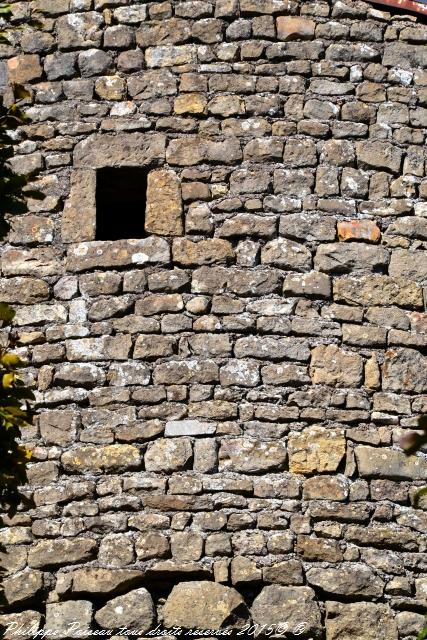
pixel 221 394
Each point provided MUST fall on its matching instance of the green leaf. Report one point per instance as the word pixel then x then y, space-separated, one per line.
pixel 419 494
pixel 20 92
pixel 423 633
pixel 6 312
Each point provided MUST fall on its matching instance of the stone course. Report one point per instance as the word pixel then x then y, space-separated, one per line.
pixel 220 397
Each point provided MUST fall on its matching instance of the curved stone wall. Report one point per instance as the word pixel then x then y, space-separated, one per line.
pixel 220 400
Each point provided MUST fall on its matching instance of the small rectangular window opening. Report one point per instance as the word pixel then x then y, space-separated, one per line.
pixel 121 197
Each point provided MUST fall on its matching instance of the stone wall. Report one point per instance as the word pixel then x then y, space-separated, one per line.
pixel 220 401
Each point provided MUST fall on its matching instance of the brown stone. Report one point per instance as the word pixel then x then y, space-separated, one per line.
pixel 378 290
pixel 190 103
pixel 378 155
pixel 31 262
pixel 92 580
pixel 113 457
pixel 134 610
pixel 388 463
pixel 209 251
pixel 251 456
pixel 79 216
pixel 23 586
pixel 163 213
pixel 404 370
pixel 30 228
pixel 23 290
pixel 294 28
pixel 58 427
pixel 365 230
pixel 362 620
pixel 316 449
pixel 171 454
pixel 194 150
pixel 54 553
pixel 24 68
pixel 290 605
pixel 123 150
pixel 333 366
pixel 118 253
pixel 204 605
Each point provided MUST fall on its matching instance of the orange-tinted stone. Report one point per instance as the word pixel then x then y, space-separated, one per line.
pixel 295 28
pixel 358 230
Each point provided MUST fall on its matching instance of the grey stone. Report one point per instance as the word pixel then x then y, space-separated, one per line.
pixel 290 605
pixel 188 428
pixel 204 605
pixel 134 610
pixel 69 618
pixel 366 620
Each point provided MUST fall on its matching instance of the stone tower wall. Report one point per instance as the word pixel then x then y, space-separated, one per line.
pixel 220 401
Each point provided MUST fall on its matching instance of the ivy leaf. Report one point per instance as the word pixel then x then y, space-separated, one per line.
pixel 423 633
pixel 6 312
pixel 20 92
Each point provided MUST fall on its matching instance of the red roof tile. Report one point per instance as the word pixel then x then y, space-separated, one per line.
pixel 419 6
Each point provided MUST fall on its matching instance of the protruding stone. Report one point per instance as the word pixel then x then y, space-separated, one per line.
pixel 132 610
pixel 334 366
pixel 251 456
pixel 117 253
pixel 69 619
pixel 113 457
pixel 163 213
pixel 404 370
pixel 316 449
pixel 168 455
pixel 295 28
pixel 354 579
pixel 293 606
pixel 204 605
pixel 22 586
pixel 361 620
pixel 55 553
pixel 365 230
pixel 121 150
pixel 389 463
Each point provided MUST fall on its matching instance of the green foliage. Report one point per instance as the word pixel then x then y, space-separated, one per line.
pixel 15 414
pixel 5 15
pixel 13 192
pixel 411 443
pixel 423 633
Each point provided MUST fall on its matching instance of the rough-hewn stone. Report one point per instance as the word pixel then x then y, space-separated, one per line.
pixel 388 463
pixel 367 620
pixel 223 373
pixel 404 370
pixel 334 366
pixel 291 605
pixel 163 213
pixel 316 449
pixel 134 610
pixel 203 604
pixel 251 456
pixel 97 459
pixel 125 149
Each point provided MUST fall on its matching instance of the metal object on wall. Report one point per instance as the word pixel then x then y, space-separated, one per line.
pixel 419 6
